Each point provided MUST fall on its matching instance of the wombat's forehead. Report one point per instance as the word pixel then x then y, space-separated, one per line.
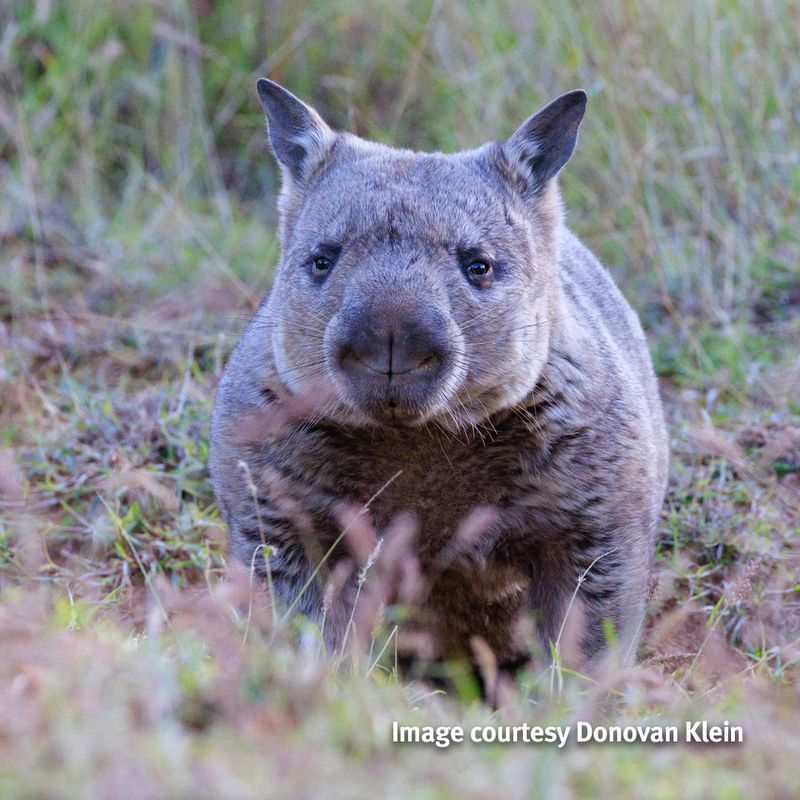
pixel 406 195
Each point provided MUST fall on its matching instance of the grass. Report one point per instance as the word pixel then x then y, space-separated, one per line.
pixel 137 234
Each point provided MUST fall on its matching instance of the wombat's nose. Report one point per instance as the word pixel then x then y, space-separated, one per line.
pixel 411 349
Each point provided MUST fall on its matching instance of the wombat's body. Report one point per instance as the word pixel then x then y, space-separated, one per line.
pixel 523 384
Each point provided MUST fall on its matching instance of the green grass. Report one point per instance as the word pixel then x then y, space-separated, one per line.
pixel 136 236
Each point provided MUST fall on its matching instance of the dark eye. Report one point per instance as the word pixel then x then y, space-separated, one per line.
pixel 479 271
pixel 323 259
pixel 321 264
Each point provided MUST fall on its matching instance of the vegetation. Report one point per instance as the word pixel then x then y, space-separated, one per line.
pixel 137 234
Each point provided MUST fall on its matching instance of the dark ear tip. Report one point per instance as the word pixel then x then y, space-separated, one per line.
pixel 265 88
pixel 577 97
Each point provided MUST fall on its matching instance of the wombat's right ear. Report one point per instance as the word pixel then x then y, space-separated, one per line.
pixel 299 136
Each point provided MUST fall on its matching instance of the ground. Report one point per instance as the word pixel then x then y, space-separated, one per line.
pixel 137 235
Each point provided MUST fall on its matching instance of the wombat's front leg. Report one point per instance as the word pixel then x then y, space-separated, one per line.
pixel 278 561
pixel 610 626
pixel 613 592
pixel 285 559
pixel 602 607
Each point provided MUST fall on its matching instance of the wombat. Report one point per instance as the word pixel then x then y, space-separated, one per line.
pixel 467 352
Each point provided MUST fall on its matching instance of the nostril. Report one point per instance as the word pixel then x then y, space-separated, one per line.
pixel 346 355
pixel 429 362
pixel 351 362
pixel 355 359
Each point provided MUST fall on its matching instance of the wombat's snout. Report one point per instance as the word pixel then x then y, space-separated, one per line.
pixel 392 352
pixel 392 362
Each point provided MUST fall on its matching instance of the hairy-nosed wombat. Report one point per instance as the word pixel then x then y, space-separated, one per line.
pixel 469 342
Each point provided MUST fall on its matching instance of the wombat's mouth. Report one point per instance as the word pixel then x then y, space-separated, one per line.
pixel 403 398
pixel 390 410
pixel 395 414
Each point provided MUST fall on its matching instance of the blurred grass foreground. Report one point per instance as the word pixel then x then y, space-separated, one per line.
pixel 137 234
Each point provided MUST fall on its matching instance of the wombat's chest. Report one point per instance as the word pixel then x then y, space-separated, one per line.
pixel 476 576
pixel 441 480
pixel 440 491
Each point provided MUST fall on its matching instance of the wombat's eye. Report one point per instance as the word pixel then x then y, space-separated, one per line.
pixel 321 264
pixel 479 271
pixel 323 260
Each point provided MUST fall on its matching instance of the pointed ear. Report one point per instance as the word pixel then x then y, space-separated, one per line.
pixel 544 142
pixel 299 136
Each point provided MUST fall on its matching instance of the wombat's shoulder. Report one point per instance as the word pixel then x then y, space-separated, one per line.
pixel 604 333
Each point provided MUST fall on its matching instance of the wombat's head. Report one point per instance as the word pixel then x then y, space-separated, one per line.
pixel 422 286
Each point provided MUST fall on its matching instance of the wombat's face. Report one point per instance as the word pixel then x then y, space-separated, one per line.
pixel 418 287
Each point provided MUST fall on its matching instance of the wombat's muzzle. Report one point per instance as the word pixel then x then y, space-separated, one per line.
pixel 392 363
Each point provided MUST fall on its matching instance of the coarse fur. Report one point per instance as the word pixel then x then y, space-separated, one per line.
pixel 528 389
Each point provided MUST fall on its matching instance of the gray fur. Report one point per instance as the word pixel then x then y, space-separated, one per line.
pixel 539 398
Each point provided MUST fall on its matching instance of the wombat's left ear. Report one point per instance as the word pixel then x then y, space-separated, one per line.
pixel 300 138
pixel 544 142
